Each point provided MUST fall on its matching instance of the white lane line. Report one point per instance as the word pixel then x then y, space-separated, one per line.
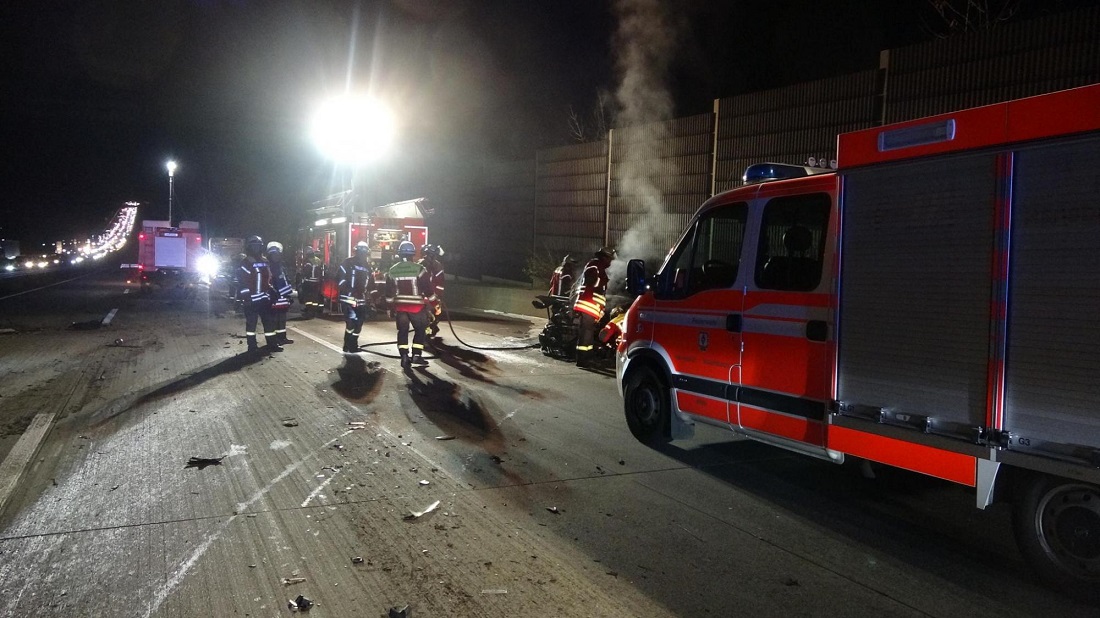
pixel 110 316
pixel 41 288
pixel 166 589
pixel 328 345
pixel 15 464
pixel 313 494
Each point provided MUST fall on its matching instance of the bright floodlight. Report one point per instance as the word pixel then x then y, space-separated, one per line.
pixel 353 130
pixel 171 168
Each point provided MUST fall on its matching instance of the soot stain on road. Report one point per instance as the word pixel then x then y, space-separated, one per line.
pixel 360 382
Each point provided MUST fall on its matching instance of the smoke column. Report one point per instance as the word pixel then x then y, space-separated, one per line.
pixel 645 39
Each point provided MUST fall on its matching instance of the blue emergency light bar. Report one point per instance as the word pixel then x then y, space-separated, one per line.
pixel 767 172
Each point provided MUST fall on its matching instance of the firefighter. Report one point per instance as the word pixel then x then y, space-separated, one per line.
pixel 356 283
pixel 309 293
pixel 410 294
pixel 255 291
pixel 591 302
pixel 280 303
pixel 561 282
pixel 432 261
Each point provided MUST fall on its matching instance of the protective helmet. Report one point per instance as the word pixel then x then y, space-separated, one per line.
pixel 435 250
pixel 606 252
pixel 254 244
pixel 274 246
pixel 406 249
pixel 362 247
pixel 309 250
pixel 568 261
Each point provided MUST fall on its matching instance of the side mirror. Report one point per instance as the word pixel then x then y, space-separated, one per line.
pixel 635 277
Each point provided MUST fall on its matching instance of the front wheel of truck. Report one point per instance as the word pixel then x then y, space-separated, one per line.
pixel 647 407
pixel 1057 526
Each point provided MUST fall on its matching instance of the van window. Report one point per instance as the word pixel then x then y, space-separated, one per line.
pixel 709 255
pixel 792 242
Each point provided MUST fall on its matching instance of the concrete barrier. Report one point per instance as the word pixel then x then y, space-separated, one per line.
pixel 493 295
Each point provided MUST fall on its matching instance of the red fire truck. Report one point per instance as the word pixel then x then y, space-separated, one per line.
pixel 169 255
pixel 931 305
pixel 337 223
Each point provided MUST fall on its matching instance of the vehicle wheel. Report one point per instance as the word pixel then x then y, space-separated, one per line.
pixel 1057 525
pixel 645 401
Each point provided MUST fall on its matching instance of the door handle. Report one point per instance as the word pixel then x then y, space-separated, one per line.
pixel 817 330
pixel 733 322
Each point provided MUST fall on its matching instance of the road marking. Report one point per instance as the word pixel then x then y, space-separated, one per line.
pixel 328 345
pixel 41 288
pixel 15 464
pixel 110 316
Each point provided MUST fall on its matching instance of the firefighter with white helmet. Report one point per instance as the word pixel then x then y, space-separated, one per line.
pixel 254 289
pixel 433 262
pixel 410 294
pixel 356 283
pixel 591 301
pixel 280 303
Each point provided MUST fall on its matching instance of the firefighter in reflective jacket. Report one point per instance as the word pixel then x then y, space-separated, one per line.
pixel 309 293
pixel 280 304
pixel 356 283
pixel 255 291
pixel 591 301
pixel 561 282
pixel 433 262
pixel 410 294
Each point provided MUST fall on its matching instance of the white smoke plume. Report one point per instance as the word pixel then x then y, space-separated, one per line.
pixel 646 41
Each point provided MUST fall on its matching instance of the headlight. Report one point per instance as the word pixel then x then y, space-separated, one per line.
pixel 207 265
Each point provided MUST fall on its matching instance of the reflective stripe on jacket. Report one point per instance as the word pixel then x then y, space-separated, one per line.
pixel 409 287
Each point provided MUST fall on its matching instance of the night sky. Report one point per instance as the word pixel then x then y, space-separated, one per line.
pixel 99 95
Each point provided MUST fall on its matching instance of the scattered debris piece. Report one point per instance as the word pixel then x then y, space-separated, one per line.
pixel 399 612
pixel 202 462
pixel 290 422
pixel 300 604
pixel 496 459
pixel 495 591
pixel 7 331
pixel 114 487
pixel 554 510
pixel 444 437
pixel 119 341
pixel 357 560
pixel 418 514
pixel 288 581
pixel 423 482
pixel 791 582
pixel 357 425
pixel 622 462
pixel 338 446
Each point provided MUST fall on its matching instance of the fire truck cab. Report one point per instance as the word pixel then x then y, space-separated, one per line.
pixel 930 305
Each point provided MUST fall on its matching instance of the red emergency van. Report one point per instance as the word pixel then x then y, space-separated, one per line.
pixel 932 304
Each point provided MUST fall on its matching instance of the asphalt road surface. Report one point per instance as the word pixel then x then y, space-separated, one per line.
pixel 546 504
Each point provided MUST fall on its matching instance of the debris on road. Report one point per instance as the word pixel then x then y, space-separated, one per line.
pixel 7 331
pixel 299 604
pixel 554 510
pixel 425 482
pixel 495 591
pixel 289 581
pixel 338 446
pixel 399 612
pixel 444 437
pixel 791 582
pixel 357 425
pixel 290 422
pixel 357 560
pixel 495 459
pixel 418 514
pixel 202 462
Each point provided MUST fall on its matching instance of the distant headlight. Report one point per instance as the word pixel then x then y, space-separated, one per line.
pixel 9 267
pixel 207 265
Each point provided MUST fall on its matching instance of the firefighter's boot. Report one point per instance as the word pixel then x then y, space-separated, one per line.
pixel 584 358
pixel 418 360
pixel 406 362
pixel 283 340
pixel 352 343
pixel 272 344
pixel 252 347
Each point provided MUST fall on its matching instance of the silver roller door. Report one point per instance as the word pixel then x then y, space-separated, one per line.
pixel 1052 369
pixel 913 333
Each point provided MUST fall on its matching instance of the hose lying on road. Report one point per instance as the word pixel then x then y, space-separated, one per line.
pixel 447 315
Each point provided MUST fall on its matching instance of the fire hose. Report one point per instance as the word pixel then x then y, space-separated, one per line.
pixel 447 316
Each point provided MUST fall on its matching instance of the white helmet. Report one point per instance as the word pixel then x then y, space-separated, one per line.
pixel 278 246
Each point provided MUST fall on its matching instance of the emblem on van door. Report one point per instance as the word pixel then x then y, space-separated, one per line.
pixel 703 340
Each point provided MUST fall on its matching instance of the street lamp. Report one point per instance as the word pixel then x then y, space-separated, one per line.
pixel 171 171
